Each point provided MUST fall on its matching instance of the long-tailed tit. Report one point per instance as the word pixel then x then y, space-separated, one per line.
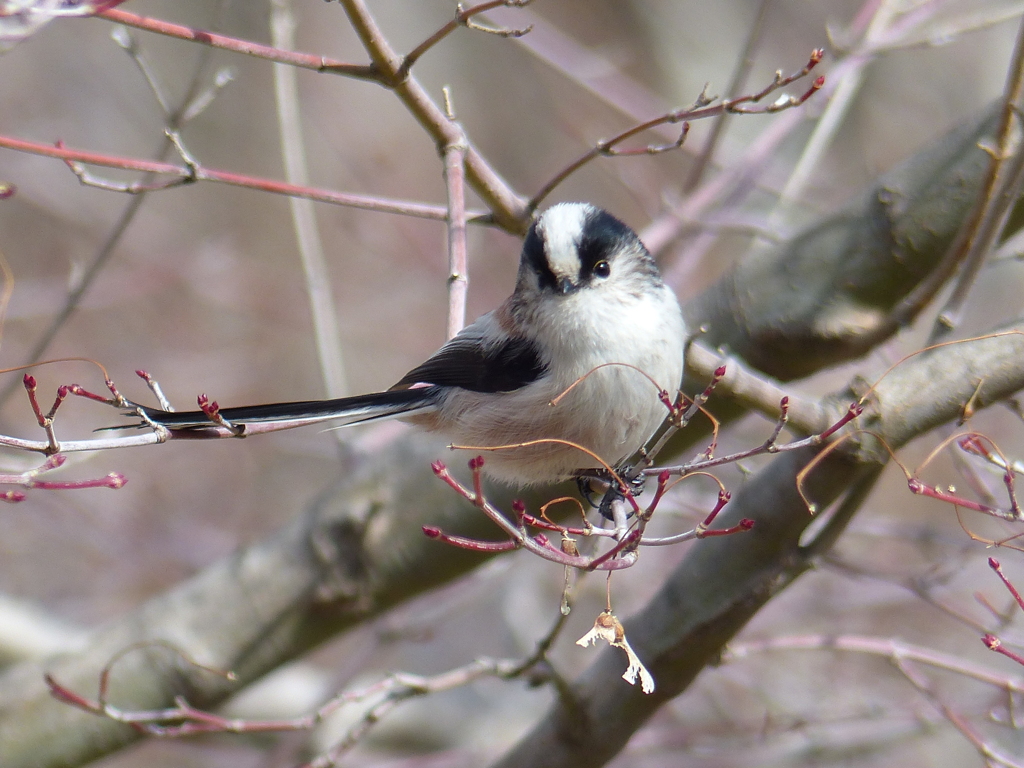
pixel 570 356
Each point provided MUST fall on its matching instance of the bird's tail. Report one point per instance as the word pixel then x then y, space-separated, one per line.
pixel 379 405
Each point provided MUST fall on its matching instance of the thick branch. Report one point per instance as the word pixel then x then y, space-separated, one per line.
pixel 356 552
pixel 828 295
pixel 722 583
pixel 360 550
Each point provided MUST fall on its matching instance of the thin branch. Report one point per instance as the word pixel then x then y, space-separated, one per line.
pixel 738 382
pixel 998 193
pixel 848 79
pixel 903 657
pixel 739 77
pixel 613 559
pixel 247 47
pixel 183 172
pixel 458 259
pixel 702 108
pixel 463 18
pixel 158 435
pixel 915 34
pixel 993 756
pixel 127 41
pixel 590 68
pixel 877 646
pixel 184 719
pixel 509 210
pixel 174 117
pixel 307 234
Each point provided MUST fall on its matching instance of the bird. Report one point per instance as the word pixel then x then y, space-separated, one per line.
pixel 577 357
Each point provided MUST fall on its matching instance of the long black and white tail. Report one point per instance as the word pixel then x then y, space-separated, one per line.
pixel 379 405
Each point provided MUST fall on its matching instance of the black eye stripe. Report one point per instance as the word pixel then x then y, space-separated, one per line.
pixel 534 256
pixel 593 250
pixel 603 236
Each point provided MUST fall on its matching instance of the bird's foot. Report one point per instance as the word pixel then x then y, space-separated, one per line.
pixel 600 490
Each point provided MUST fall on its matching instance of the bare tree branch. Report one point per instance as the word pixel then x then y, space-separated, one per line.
pixel 855 268
pixel 359 550
pixel 721 584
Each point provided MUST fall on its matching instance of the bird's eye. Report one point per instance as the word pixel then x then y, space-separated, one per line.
pixel 602 269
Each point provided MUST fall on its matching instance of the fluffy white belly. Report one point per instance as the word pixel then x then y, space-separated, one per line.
pixel 610 414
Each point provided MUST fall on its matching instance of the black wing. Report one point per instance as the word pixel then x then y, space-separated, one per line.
pixel 467 363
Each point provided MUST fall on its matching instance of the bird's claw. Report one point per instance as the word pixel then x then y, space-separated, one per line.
pixel 599 485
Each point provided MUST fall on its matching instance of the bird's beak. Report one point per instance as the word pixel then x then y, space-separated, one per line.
pixel 566 286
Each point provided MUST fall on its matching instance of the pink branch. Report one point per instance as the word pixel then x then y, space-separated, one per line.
pixel 212 39
pixel 188 175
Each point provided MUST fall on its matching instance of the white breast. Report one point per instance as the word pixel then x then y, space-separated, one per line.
pixel 613 408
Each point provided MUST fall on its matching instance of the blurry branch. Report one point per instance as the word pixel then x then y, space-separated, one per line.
pixel 191 104
pixel 686 220
pixel 722 583
pixel 463 18
pixel 6 281
pixel 359 550
pixel 917 30
pixel 876 646
pixel 1000 190
pixel 508 209
pixel 188 174
pixel 356 552
pixel 590 68
pixel 887 27
pixel 458 254
pixel 739 77
pixel 906 658
pixel 928 588
pixel 849 77
pixel 838 288
pixel 307 235
pixel 702 108
pixel 402 686
pixel 987 750
pixel 28 631
pixel 380 699
pixel 249 48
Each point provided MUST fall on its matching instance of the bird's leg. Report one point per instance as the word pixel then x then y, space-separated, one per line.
pixel 592 482
pixel 612 495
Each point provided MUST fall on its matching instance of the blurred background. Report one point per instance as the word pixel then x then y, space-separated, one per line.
pixel 205 291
